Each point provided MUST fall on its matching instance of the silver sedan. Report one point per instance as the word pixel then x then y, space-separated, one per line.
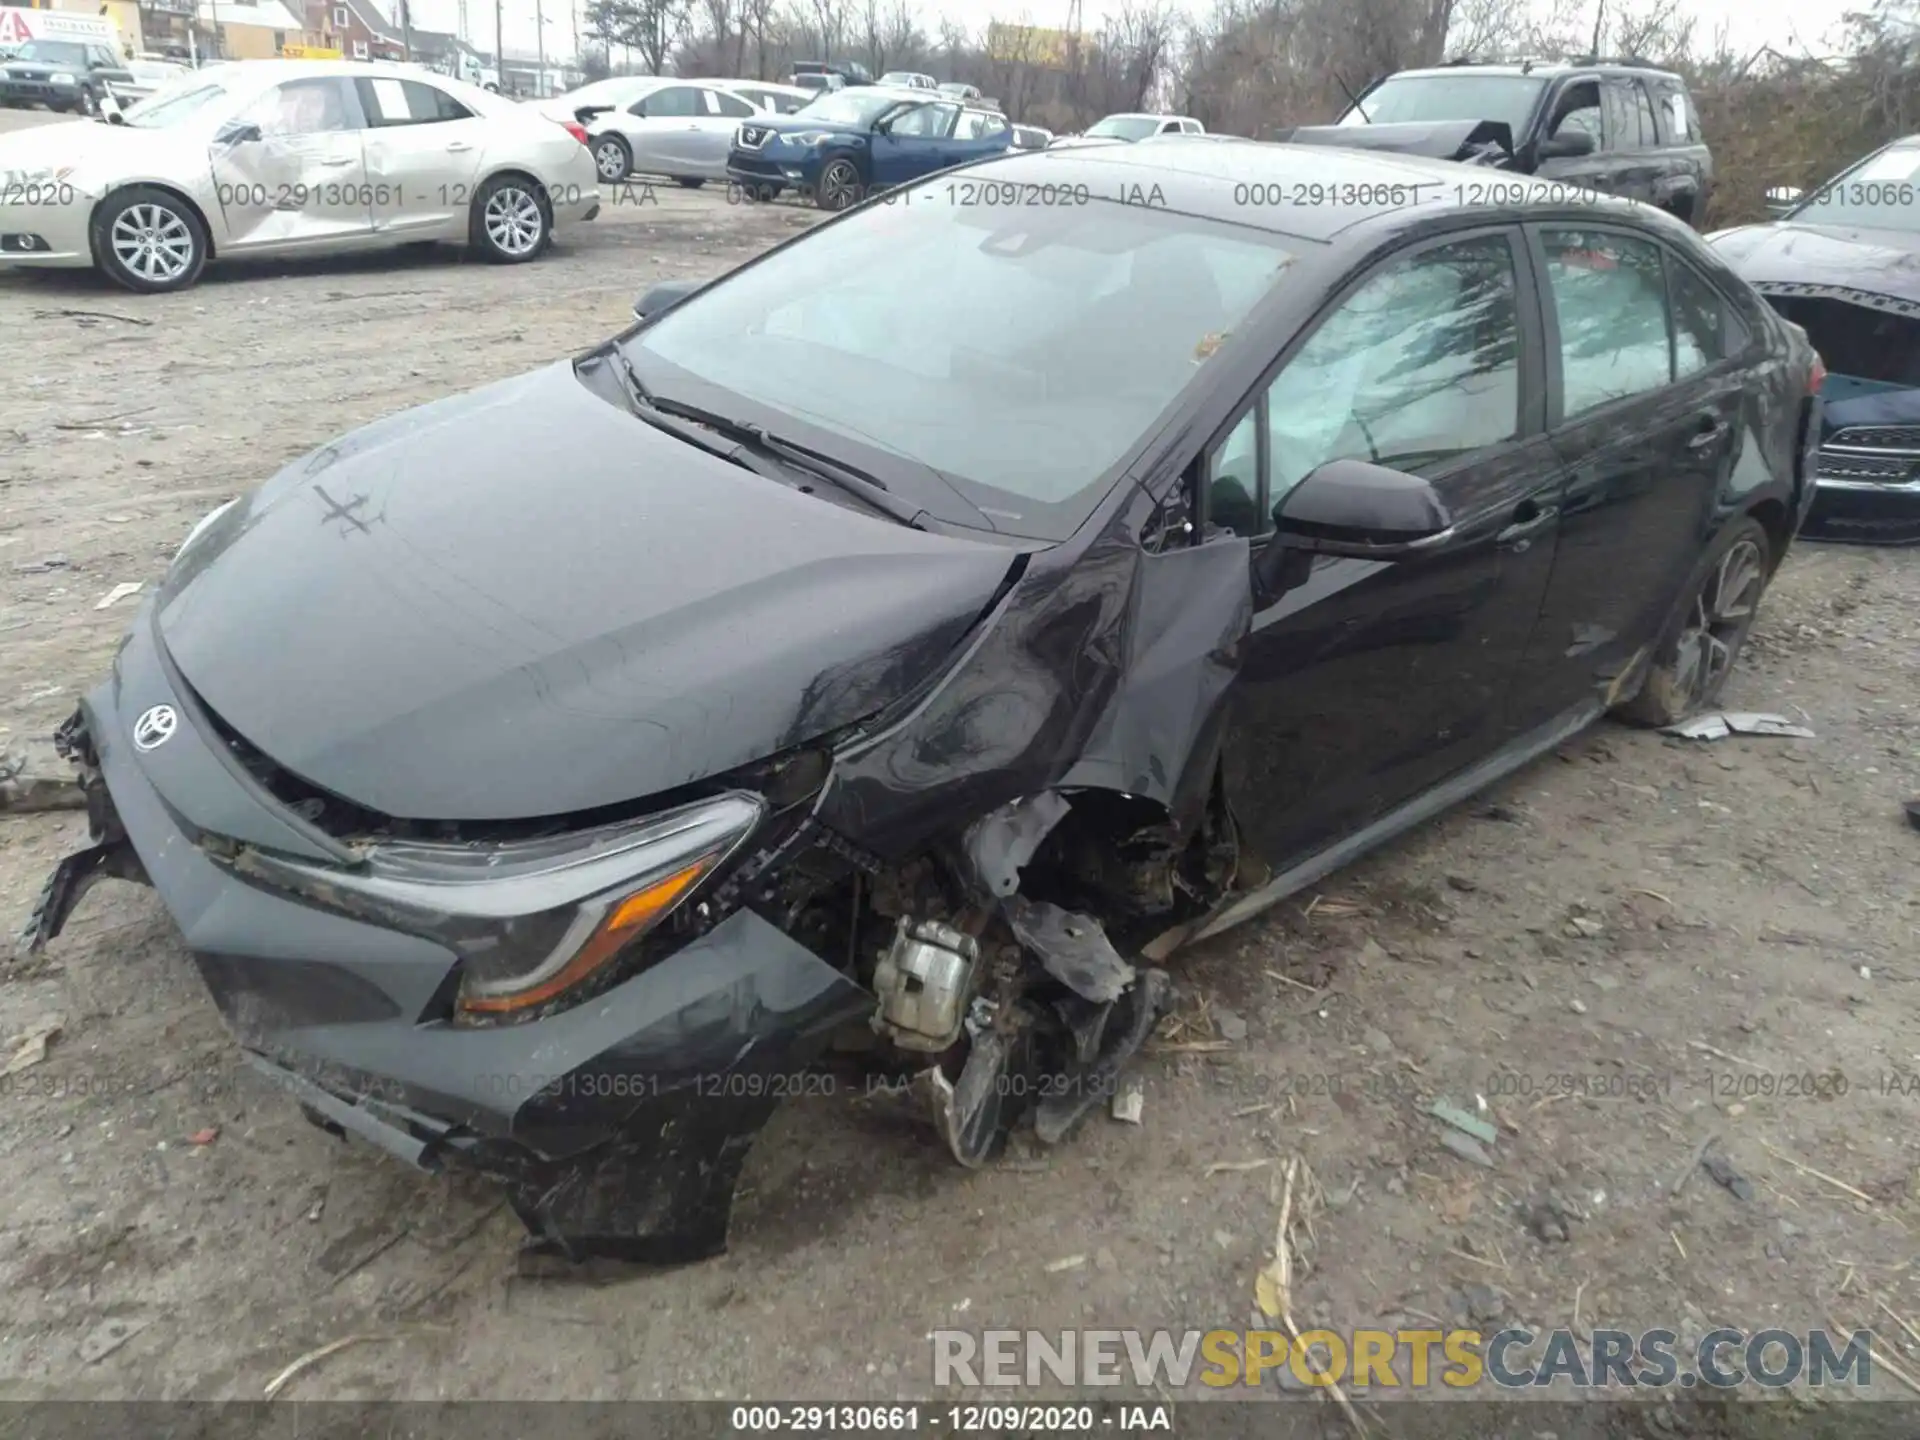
pixel 679 129
pixel 283 157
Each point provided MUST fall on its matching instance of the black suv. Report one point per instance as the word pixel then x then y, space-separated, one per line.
pixel 1618 126
pixel 61 74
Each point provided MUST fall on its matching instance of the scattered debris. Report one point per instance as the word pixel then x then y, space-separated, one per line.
pixel 1717 725
pixel 1913 813
pixel 1129 1100
pixel 23 793
pixel 41 567
pixel 117 594
pixel 1679 1182
pixel 1466 1148
pixel 1230 1026
pixel 88 317
pixel 1461 1120
pixel 204 1137
pixel 1584 927
pixel 1724 1175
pixel 1072 948
pixel 314 1357
pixel 1273 1285
pixel 1546 1220
pixel 107 1337
pixel 31 1047
pixel 1820 1175
pixel 1071 1262
pixel 1235 1167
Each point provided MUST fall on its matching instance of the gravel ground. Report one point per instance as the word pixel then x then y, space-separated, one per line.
pixel 1632 946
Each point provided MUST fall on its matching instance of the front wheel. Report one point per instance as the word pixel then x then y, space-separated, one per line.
pixel 510 224
pixel 839 186
pixel 691 182
pixel 1696 653
pixel 149 240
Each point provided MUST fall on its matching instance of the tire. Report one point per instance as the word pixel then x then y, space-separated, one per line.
pixel 689 182
pixel 149 240
pixel 839 186
pixel 1701 642
pixel 89 101
pixel 611 154
pixel 511 223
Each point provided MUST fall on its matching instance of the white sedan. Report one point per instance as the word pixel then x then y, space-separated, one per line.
pixel 285 157
pixel 654 125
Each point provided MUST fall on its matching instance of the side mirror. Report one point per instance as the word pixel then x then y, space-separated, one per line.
pixel 1354 508
pixel 237 133
pixel 656 299
pixel 1567 145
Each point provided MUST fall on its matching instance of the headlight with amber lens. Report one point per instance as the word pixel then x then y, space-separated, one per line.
pixel 531 921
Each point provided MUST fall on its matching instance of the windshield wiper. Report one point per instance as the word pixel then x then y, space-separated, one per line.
pixel 855 481
pixel 641 400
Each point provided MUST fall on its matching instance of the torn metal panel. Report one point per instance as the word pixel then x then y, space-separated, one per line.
pixel 1073 948
pixel 1158 734
pixel 1720 724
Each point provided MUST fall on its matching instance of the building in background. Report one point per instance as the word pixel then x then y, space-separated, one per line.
pixel 358 29
pixel 250 30
pixel 123 15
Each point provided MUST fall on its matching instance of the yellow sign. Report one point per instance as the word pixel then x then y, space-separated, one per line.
pixel 1028 44
pixel 309 52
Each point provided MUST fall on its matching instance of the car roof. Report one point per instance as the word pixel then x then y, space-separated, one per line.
pixel 1211 181
pixel 1543 68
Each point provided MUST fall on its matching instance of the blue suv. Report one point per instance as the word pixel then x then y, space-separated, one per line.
pixel 848 143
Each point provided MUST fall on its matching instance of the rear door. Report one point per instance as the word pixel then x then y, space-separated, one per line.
pixel 724 112
pixel 423 149
pixel 1643 405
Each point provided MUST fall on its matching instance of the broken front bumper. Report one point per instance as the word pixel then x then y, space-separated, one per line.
pixel 1867 486
pixel 618 1127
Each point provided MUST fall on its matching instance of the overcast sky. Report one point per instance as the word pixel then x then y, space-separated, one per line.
pixel 1750 24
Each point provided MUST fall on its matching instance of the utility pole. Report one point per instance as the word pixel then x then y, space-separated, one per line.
pixel 406 31
pixel 574 6
pixel 499 47
pixel 540 39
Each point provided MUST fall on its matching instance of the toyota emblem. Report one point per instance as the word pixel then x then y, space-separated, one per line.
pixel 155 727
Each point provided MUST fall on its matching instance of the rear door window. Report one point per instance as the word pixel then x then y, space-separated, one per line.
pixel 1609 294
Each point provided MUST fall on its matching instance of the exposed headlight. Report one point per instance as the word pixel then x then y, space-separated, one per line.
pixel 811 137
pixel 530 921
pixel 200 528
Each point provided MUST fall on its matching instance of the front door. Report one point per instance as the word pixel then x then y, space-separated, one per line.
pixel 290 170
pixel 915 142
pixel 666 135
pixel 423 150
pixel 1576 106
pixel 1646 452
pixel 1372 680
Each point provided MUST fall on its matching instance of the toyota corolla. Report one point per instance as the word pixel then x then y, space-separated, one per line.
pixel 914 638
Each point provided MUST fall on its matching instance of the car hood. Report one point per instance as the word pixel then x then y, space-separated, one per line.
pixel 524 602
pixel 1435 140
pixel 84 144
pixel 1790 252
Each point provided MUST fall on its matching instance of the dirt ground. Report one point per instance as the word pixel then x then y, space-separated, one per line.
pixel 1632 946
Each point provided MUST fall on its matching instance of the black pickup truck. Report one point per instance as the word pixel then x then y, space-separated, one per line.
pixel 1619 126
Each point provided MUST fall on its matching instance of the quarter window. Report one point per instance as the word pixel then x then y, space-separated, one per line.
pixel 1610 297
pixel 1415 369
pixel 1699 321
pixel 731 106
pixel 1643 109
pixel 408 102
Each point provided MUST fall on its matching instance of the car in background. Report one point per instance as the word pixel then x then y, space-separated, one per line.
pixel 291 157
pixel 1031 137
pixel 1843 264
pixel 959 90
pixel 908 80
pixel 818 76
pixel 1125 129
pixel 1091 578
pixel 767 96
pixel 70 75
pixel 680 130
pixel 1625 128
pixel 851 143
pixel 148 74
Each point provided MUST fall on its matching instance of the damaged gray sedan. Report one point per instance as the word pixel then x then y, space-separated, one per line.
pixel 888 655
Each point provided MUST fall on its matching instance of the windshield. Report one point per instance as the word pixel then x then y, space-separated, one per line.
pixel 53 52
pixel 1413 99
pixel 1878 193
pixel 848 107
pixel 1016 352
pixel 171 106
pixel 1125 127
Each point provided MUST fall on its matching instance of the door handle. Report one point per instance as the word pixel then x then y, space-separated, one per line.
pixel 458 145
pixel 1711 433
pixel 335 164
pixel 1529 519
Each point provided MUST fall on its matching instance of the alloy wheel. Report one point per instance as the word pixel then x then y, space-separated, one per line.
pixel 1718 622
pixel 612 161
pixel 153 242
pixel 839 185
pixel 513 220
